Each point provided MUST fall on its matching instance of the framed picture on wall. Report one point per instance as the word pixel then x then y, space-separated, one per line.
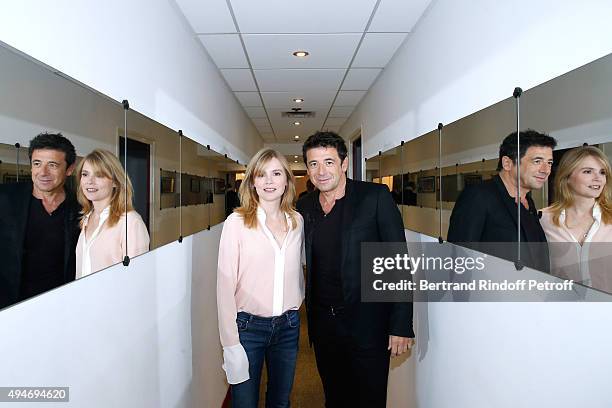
pixel 427 184
pixel 194 186
pixel 219 186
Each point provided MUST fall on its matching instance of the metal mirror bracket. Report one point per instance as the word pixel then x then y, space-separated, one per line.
pixel 518 264
pixel 126 108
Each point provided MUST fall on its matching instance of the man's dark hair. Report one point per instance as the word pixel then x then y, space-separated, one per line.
pixel 325 139
pixel 53 141
pixel 528 138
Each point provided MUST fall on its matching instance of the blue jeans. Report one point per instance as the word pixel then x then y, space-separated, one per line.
pixel 274 339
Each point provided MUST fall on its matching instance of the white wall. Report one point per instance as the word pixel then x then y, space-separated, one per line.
pixel 464 56
pixel 141 336
pixel 505 355
pixel 140 50
pixel 118 338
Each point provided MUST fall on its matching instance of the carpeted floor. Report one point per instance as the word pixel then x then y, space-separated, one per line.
pixel 307 388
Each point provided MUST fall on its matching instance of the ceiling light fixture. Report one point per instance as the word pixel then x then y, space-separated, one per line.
pixel 295 157
pixel 298 100
pixel 301 54
pixel 296 137
pixel 295 161
pixel 297 123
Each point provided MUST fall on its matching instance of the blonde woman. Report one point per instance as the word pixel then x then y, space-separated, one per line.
pixel 260 284
pixel 102 193
pixel 579 223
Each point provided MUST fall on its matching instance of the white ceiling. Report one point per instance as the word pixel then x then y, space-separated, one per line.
pixel 350 42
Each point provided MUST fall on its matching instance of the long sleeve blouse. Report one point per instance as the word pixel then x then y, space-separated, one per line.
pixel 588 263
pixel 107 245
pixel 257 276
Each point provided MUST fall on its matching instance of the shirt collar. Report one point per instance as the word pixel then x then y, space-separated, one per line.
pixel 261 216
pixel 596 214
pixel 103 215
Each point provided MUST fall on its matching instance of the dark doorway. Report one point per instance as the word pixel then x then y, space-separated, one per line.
pixel 138 167
pixel 357 159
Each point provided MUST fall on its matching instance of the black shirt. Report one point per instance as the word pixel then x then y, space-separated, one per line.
pixel 326 256
pixel 43 250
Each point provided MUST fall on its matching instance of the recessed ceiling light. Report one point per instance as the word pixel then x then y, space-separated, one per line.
pixel 297 123
pixel 298 100
pixel 301 54
pixel 295 157
pixel 296 137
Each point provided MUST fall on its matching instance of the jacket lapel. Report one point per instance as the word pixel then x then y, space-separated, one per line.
pixel 347 219
pixel 510 206
pixel 309 226
pixel 22 214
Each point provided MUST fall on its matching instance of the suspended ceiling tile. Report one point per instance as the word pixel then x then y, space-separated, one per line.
pixel 312 16
pixel 334 122
pixel 289 135
pixel 261 122
pixel 239 80
pixel 334 129
pixel 256 112
pixel 276 51
pixel 398 15
pixel 291 80
pixel 312 100
pixel 225 49
pixel 349 98
pixel 341 111
pixel 248 99
pixel 377 49
pixel 262 126
pixel 360 79
pixel 268 137
pixel 211 16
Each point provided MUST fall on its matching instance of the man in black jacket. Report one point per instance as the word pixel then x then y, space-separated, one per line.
pixel 487 213
pixel 352 339
pixel 39 223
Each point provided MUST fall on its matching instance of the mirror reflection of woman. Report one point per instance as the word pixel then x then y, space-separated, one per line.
pixel 102 192
pixel 579 224
pixel 260 284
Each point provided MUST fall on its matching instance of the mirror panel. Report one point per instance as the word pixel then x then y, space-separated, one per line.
pixel 234 176
pixel 196 187
pixel 391 172
pixel 36 100
pixel 154 170
pixel 218 171
pixel 372 172
pixel 419 161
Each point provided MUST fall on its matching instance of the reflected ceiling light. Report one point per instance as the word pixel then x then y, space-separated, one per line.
pixel 298 100
pixel 301 54
pixel 295 161
pixel 297 123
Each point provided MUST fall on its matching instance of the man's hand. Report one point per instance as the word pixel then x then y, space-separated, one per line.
pixel 399 345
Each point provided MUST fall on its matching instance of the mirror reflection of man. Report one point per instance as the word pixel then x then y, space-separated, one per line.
pixel 352 340
pixel 39 223
pixel 487 212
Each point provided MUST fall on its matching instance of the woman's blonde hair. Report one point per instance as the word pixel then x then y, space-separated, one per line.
pixel 564 197
pixel 249 199
pixel 106 164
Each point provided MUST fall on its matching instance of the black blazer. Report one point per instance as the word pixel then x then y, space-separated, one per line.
pixel 14 210
pixel 484 213
pixel 369 215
